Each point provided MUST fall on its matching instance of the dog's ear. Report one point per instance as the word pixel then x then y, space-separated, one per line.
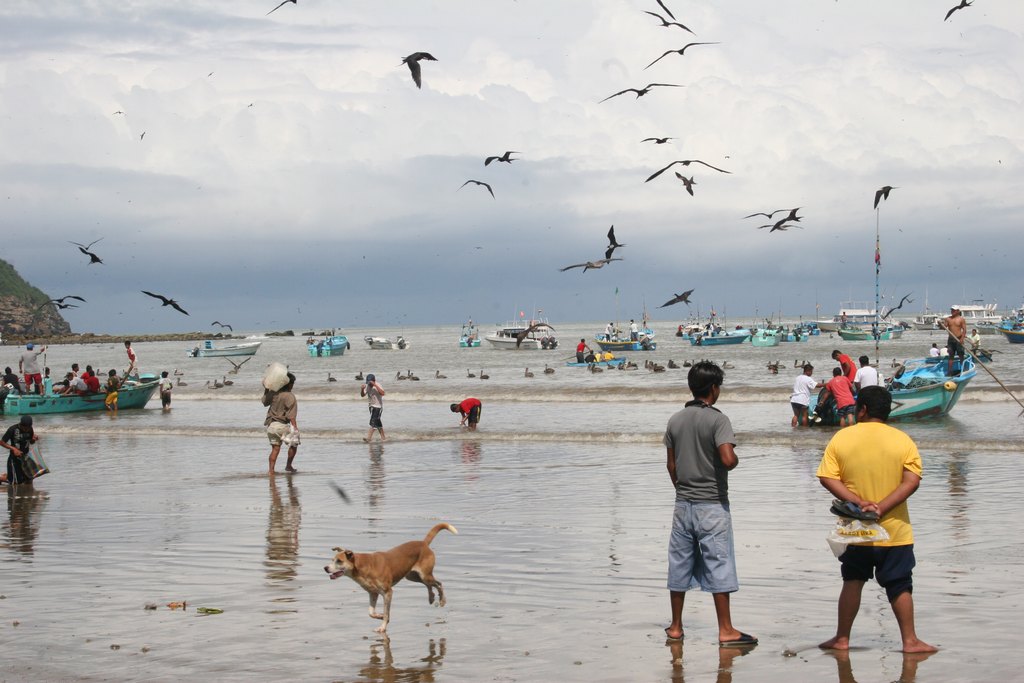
pixel 337 550
pixel 350 556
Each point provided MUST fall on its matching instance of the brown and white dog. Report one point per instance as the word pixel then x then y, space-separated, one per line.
pixel 377 573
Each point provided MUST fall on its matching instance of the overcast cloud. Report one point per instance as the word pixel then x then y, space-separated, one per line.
pixel 334 200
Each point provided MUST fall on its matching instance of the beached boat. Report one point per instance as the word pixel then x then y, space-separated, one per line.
pixel 132 394
pixel 519 336
pixel 470 337
pixel 860 334
pixel 335 345
pixel 725 338
pixel 386 344
pixel 766 337
pixel 920 388
pixel 208 350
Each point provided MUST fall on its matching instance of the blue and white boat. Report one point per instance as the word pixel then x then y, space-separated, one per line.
pixel 610 363
pixel 720 339
pixel 470 337
pixel 134 393
pixel 209 350
pixel 766 336
pixel 335 345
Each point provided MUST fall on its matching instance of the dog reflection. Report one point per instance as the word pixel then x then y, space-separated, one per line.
pixel 283 532
pixel 24 504
pixel 381 667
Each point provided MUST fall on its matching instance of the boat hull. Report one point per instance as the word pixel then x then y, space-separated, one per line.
pixel 332 346
pixel 766 338
pixel 1012 336
pixel 129 397
pixel 465 343
pixel 866 335
pixel 210 351
pixel 384 344
pixel 720 340
pixel 620 345
pixel 509 344
pixel 613 363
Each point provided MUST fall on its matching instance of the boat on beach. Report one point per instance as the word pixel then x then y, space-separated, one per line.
pixel 208 350
pixel 134 393
pixel 385 343
pixel 334 345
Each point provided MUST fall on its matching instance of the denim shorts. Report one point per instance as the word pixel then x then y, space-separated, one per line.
pixel 700 550
pixel 847 410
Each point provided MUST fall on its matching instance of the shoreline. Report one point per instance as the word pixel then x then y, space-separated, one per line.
pixel 90 338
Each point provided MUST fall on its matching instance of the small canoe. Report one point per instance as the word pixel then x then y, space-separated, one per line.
pixel 613 363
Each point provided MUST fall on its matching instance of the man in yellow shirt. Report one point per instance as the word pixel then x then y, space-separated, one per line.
pixel 876 467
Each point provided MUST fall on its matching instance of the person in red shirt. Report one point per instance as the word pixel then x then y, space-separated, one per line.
pixel 842 390
pixel 470 409
pixel 581 351
pixel 92 382
pixel 846 363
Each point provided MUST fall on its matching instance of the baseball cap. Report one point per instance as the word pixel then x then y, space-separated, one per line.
pixel 30 345
pixel 370 378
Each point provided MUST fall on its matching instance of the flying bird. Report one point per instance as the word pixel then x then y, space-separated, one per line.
pixel 657 141
pixel 684 297
pixel 906 299
pixel 504 157
pixel 478 182
pixel 285 2
pixel 612 244
pixel 883 193
pixel 769 215
pixel 413 62
pixel 118 112
pixel 337 489
pixel 684 162
pixel 237 366
pixel 640 92
pixel 522 335
pixel 782 224
pixel 167 302
pixel 84 248
pixel 963 4
pixel 142 136
pixel 665 23
pixel 600 263
pixel 687 182
pixel 68 296
pixel 217 322
pixel 667 10
pixel 678 52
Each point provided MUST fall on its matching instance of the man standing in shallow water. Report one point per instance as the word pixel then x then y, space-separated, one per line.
pixel 699 442
pixel 878 468
pixel 282 423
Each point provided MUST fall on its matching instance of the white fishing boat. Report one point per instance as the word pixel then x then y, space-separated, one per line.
pixel 927 321
pixel 386 344
pixel 523 335
pixel 980 315
pixel 209 350
pixel 851 314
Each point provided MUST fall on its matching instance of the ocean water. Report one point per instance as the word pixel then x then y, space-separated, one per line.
pixel 563 508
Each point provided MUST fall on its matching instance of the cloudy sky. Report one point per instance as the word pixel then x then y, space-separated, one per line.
pixel 292 175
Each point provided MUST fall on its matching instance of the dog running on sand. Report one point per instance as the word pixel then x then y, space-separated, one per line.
pixel 377 573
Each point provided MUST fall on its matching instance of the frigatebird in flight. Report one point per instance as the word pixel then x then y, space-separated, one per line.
pixel 217 322
pixel 687 182
pixel 478 182
pixel 883 193
pixel 166 302
pixel 640 92
pixel 600 263
pixel 769 215
pixel 684 162
pixel 963 4
pixel 59 303
pixel 684 297
pixel 504 157
pixel 84 248
pixel 657 141
pixel 680 51
pixel 285 2
pixel 612 244
pixel 665 23
pixel 906 299
pixel 532 328
pixel 413 62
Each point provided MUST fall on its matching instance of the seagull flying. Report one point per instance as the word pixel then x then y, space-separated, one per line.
pixel 963 4
pixel 678 52
pixel 687 182
pixel 601 263
pixel 883 193
pixel 167 302
pixel 684 162
pixel 684 297
pixel 666 24
pixel 413 62
pixel 285 2
pixel 84 248
pixel 478 182
pixel 217 322
pixel 612 244
pixel 640 92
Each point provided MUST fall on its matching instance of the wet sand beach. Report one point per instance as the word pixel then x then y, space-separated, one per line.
pixel 563 507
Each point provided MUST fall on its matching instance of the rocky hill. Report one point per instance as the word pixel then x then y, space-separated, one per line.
pixel 24 310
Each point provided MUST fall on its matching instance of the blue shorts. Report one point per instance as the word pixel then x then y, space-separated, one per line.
pixel 700 550
pixel 892 565
pixel 847 410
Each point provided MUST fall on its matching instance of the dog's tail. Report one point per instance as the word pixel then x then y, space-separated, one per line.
pixel 437 528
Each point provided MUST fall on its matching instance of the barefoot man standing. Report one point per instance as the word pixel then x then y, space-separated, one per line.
pixel 877 467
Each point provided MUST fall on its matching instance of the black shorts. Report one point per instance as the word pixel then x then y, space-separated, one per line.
pixel 893 566
pixel 165 399
pixel 375 422
pixel 474 414
pixel 954 347
pixel 799 409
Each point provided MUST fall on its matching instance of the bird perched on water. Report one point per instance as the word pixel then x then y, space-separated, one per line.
pixel 684 297
pixel 331 378
pixel 217 322
pixel 283 3
pixel 522 334
pixel 906 299
pixel 883 193
pixel 548 370
pixel 84 248
pixel 527 373
pixel 438 375
pixel 680 51
pixel 483 375
pixel 687 182
pixel 657 141
pixel 684 162
pixel 413 62
pixel 478 182
pixel 640 92
pixel 665 23
pixel 359 375
pixel 963 5
pixel 612 244
pixel 504 158
pixel 600 263
pixel 166 302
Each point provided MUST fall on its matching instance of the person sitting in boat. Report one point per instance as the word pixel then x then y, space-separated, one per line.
pixel 975 339
pixel 645 342
pixel 12 380
pixel 934 351
pixel 64 386
pixel 92 382
pixel 607 356
pixel 591 357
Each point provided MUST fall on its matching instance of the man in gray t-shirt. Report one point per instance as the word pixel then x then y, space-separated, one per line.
pixel 699 445
pixel 30 368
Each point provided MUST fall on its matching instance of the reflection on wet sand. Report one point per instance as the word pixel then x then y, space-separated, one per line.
pixel 283 532
pixel 908 673
pixel 24 505
pixel 470 455
pixel 375 476
pixel 381 667
pixel 726 656
pixel 957 480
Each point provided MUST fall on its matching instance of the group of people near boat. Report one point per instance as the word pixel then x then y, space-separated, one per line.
pixel 846 381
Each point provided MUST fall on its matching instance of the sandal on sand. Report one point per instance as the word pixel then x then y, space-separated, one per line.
pixel 745 639
pixel 681 635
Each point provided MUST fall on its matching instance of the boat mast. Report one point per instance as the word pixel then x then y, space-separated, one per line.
pixel 878 297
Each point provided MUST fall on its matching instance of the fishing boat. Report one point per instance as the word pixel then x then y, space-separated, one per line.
pixel 720 339
pixel 885 333
pixel 1014 332
pixel 334 345
pixel 851 314
pixel 519 336
pixel 800 333
pixel 978 312
pixel 470 337
pixel 386 344
pixel 766 336
pixel 920 388
pixel 134 393
pixel 208 350
pixel 618 342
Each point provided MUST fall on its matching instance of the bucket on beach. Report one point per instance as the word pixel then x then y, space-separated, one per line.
pixel 275 376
